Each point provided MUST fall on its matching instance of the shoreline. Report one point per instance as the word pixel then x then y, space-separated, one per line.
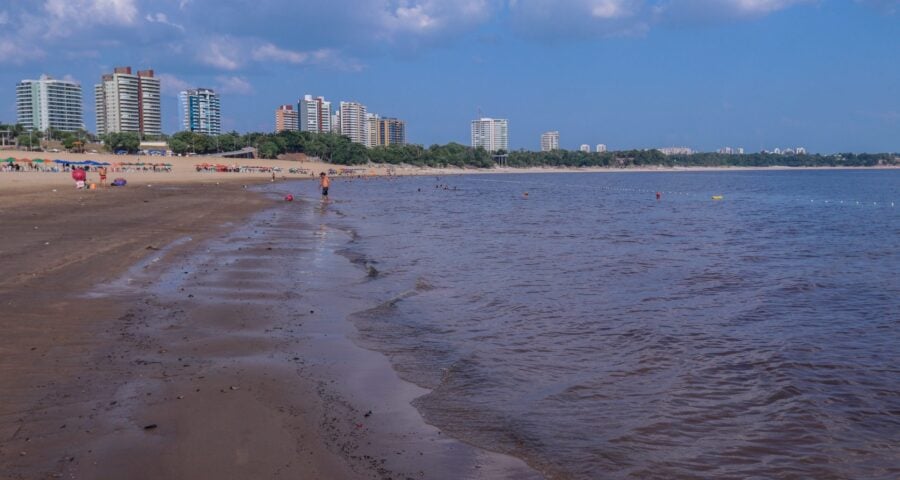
pixel 181 358
pixel 183 171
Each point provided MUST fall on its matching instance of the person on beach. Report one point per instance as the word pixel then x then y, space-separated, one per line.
pixel 324 182
pixel 102 172
pixel 79 175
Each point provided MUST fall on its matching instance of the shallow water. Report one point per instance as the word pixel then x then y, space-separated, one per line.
pixel 599 333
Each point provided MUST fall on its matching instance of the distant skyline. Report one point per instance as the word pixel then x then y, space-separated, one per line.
pixel 757 74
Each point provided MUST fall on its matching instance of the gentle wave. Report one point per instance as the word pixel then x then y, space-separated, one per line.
pixel 598 333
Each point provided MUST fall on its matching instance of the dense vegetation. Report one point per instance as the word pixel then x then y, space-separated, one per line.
pixel 331 148
pixel 340 150
pixel 18 136
pixel 643 158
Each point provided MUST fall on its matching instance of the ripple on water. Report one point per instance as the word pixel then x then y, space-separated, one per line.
pixel 600 334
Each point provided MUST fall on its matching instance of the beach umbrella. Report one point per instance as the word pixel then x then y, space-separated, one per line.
pixel 40 160
pixel 10 160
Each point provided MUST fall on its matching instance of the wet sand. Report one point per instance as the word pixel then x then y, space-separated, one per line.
pixel 197 331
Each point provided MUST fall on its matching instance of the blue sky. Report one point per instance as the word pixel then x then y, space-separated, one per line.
pixel 824 74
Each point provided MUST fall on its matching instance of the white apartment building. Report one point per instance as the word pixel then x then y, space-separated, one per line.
pixel 314 114
pixel 372 121
pixel 676 151
pixel 201 111
pixel 336 122
pixel 549 141
pixel 128 103
pixel 601 148
pixel 354 123
pixel 492 134
pixel 49 103
pixel 585 148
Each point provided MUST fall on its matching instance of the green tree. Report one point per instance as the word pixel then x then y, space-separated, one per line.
pixel 125 141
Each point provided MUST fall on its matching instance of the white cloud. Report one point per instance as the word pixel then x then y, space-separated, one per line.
pixel 569 18
pixel 87 12
pixel 172 85
pixel 18 53
pixel 234 85
pixel 608 9
pixel 680 10
pixel 428 17
pixel 269 52
pixel 163 19
pixel 222 53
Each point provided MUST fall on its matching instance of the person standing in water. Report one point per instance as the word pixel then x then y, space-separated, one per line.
pixel 324 182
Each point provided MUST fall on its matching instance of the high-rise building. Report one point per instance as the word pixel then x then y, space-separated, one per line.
pixel 585 148
pixel 336 122
pixel 676 151
pixel 549 141
pixel 601 148
pixel 128 103
pixel 49 103
pixel 391 131
pixel 492 134
pixel 286 119
pixel 314 114
pixel 353 122
pixel 201 111
pixel 372 121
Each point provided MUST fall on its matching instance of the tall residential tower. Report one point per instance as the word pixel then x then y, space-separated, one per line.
pixel 492 134
pixel 353 122
pixel 200 111
pixel 286 119
pixel 128 103
pixel 314 114
pixel 49 103
pixel 549 141
pixel 391 131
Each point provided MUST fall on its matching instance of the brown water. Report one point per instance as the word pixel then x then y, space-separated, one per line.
pixel 598 333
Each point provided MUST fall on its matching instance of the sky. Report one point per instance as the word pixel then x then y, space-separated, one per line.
pixel 756 74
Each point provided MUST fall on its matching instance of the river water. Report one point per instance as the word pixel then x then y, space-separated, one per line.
pixel 598 332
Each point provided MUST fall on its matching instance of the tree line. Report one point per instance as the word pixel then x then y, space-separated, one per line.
pixel 338 149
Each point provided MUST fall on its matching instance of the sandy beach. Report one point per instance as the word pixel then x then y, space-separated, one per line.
pixel 148 334
pixel 183 170
pixel 151 331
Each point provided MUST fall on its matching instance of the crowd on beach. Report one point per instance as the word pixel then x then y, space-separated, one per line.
pixel 62 166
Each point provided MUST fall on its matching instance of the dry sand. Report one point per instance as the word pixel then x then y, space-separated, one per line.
pixel 195 367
